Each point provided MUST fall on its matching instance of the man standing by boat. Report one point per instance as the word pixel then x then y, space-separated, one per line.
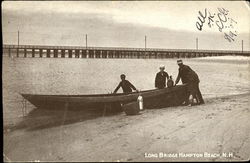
pixel 189 77
pixel 160 79
pixel 126 85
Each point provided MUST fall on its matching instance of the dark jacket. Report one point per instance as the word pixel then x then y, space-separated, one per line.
pixel 126 86
pixel 160 79
pixel 187 75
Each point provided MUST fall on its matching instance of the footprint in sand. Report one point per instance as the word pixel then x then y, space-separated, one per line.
pixel 124 145
pixel 220 145
pixel 88 139
pixel 60 158
pixel 224 99
pixel 119 126
pixel 210 116
pixel 229 109
pixel 182 126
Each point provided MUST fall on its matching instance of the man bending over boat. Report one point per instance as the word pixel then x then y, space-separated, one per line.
pixel 189 77
pixel 126 85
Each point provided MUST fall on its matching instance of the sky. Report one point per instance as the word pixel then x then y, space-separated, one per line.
pixel 167 24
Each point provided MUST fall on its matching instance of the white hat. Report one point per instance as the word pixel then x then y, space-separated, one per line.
pixel 162 66
pixel 179 61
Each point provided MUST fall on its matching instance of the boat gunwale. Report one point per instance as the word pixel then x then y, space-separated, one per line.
pixel 102 95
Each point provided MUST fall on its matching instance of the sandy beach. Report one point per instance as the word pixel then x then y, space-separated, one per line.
pixel 216 131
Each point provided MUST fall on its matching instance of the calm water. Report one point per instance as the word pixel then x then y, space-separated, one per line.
pixel 88 76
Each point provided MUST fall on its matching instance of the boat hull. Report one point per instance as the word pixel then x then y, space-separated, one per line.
pixel 152 99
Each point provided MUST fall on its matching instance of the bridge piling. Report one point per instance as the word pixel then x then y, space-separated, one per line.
pixel 9 52
pixel 84 53
pixel 77 53
pixel 55 53
pixel 40 53
pixel 70 53
pixel 48 53
pixel 17 52
pixel 62 53
pixel 25 53
pixel 33 53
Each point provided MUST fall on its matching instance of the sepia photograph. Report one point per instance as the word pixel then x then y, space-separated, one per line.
pixel 126 81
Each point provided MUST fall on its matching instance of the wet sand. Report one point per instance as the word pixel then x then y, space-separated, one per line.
pixel 220 126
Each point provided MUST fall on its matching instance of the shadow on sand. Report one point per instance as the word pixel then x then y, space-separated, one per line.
pixel 44 118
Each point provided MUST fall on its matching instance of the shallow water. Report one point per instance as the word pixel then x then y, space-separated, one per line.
pixel 88 76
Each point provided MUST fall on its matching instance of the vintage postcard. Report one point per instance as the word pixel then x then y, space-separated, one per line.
pixel 126 81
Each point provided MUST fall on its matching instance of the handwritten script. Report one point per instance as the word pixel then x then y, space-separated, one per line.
pixel 219 20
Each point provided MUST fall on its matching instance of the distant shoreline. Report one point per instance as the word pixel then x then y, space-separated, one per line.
pixel 225 59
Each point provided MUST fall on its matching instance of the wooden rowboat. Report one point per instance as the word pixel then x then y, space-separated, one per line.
pixel 152 98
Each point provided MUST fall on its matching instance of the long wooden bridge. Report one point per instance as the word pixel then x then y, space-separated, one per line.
pixel 36 51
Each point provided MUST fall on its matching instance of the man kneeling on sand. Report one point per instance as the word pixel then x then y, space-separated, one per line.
pixel 189 77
